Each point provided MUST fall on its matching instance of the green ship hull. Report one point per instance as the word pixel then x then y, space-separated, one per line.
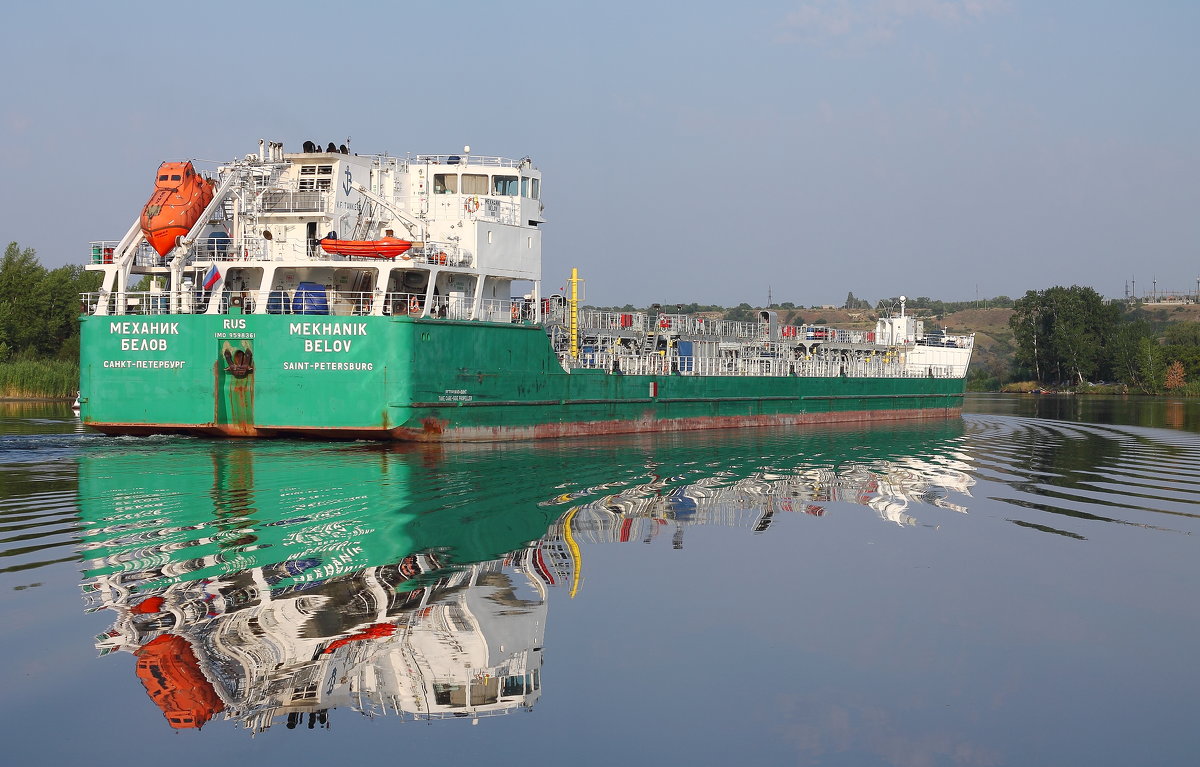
pixel 426 379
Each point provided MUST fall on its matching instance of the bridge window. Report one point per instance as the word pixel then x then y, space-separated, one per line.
pixel 505 185
pixel 452 695
pixel 513 685
pixel 474 183
pixel 445 183
pixel 524 186
pixel 536 188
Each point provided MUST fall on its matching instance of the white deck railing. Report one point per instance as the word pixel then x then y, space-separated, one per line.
pixel 663 364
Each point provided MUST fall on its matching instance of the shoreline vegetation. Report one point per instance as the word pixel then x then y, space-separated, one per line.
pixel 1049 341
pixel 1096 389
pixel 39 326
pixel 39 380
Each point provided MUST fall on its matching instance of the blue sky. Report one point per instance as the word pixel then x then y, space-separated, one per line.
pixel 702 152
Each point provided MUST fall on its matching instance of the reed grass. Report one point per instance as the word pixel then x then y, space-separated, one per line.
pixel 1106 389
pixel 1189 390
pixel 1020 387
pixel 39 379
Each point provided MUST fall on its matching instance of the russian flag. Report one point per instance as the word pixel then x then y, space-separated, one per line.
pixel 212 278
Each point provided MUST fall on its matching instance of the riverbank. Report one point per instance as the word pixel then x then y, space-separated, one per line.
pixel 1033 387
pixel 39 380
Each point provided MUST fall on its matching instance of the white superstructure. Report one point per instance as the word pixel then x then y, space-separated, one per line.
pixel 473 221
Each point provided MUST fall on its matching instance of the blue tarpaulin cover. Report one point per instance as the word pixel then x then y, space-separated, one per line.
pixel 310 299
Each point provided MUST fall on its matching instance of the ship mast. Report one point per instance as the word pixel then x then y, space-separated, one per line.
pixel 575 312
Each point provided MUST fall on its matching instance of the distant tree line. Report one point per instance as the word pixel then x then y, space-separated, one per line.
pixel 853 303
pixel 927 305
pixel 39 307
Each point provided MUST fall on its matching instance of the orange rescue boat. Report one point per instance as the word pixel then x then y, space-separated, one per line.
pixel 180 196
pixel 388 247
pixel 171 674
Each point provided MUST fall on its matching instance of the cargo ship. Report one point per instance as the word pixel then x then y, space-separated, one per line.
pixel 331 294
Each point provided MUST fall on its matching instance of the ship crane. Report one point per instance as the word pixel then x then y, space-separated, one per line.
pixel 416 229
pixel 223 192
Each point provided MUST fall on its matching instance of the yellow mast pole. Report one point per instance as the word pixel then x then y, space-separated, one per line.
pixel 573 547
pixel 575 312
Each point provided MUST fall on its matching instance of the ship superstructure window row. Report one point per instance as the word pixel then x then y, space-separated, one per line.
pixel 477 184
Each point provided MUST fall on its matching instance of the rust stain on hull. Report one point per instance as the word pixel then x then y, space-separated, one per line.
pixel 435 427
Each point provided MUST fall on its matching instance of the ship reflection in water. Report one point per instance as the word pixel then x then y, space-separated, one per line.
pixel 273 583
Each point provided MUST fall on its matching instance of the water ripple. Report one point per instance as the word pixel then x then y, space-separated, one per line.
pixel 1086 473
pixel 222 501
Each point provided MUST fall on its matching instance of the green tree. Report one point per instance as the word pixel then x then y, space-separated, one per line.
pixel 1125 352
pixel 1062 333
pixel 1187 356
pixel 20 295
pixel 1028 324
pixel 1152 368
pixel 59 298
pixel 743 312
pixel 1182 334
pixel 39 308
pixel 856 303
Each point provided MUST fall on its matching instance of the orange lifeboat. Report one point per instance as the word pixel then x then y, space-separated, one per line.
pixel 388 247
pixel 180 196
pixel 171 675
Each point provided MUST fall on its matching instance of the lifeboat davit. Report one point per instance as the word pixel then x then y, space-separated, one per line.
pixel 388 247
pixel 180 196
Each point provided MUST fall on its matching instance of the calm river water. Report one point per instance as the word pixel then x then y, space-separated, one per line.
pixel 1017 587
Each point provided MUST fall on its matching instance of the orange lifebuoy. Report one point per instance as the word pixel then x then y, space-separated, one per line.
pixel 471 205
pixel 414 305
